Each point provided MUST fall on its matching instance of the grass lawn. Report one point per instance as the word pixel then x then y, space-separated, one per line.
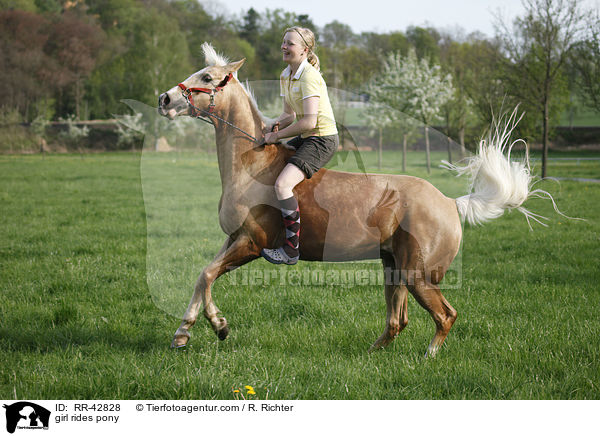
pixel 96 273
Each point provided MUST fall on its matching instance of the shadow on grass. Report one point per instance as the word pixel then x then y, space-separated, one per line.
pixel 63 336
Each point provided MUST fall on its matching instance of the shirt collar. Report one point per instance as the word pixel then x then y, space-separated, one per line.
pixel 300 69
pixel 286 73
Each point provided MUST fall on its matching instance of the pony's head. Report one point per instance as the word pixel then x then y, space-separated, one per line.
pixel 200 87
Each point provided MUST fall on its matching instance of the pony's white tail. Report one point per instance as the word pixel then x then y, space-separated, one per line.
pixel 497 183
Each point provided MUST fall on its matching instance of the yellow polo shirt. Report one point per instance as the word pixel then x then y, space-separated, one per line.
pixel 308 82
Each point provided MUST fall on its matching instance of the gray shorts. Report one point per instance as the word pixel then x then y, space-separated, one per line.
pixel 313 153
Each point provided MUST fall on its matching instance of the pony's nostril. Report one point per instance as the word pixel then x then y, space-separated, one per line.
pixel 163 100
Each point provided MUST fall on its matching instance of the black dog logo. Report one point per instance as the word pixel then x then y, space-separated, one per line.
pixel 30 413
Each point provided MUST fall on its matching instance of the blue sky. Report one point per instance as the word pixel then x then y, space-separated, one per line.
pixel 385 16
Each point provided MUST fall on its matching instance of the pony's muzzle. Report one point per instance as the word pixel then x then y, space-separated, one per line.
pixel 163 106
pixel 163 100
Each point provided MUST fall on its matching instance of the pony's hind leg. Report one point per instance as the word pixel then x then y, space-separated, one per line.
pixel 429 296
pixel 234 253
pixel 396 299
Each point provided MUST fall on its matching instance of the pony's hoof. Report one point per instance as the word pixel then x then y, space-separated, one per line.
pixel 375 347
pixel 431 353
pixel 223 333
pixel 180 340
pixel 223 330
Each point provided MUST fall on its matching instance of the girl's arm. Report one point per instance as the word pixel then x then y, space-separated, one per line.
pixel 308 122
pixel 284 120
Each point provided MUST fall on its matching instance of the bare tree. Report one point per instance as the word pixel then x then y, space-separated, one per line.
pixel 537 47
pixel 586 59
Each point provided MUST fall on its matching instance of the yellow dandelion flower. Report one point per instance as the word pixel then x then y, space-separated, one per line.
pixel 251 392
pixel 250 388
pixel 236 391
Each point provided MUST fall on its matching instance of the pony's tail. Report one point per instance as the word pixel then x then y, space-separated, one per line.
pixel 497 183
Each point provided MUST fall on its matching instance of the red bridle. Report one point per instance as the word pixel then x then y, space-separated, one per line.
pixel 187 94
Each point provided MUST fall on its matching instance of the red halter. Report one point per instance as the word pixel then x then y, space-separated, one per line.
pixel 204 114
pixel 187 94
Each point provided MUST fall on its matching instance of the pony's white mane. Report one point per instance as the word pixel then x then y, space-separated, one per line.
pixel 214 59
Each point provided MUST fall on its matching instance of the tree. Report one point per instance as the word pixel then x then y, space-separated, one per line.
pixel 304 20
pixel 21 5
pixel 355 68
pixel 194 22
pixel 158 56
pixel 115 16
pixel 419 88
pixel 432 90
pixel 388 102
pixel 480 61
pixel 425 41
pixel 250 30
pixel 383 43
pixel 107 85
pixel 537 48
pixel 23 63
pixel 379 116
pixel 337 38
pixel 74 43
pixel 268 49
pixel 459 111
pixel 414 89
pixel 586 59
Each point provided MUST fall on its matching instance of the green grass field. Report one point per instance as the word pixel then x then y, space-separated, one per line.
pixel 80 318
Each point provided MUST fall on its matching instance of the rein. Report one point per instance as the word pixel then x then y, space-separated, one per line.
pixel 208 115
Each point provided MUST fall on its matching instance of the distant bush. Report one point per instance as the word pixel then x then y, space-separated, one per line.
pixel 131 130
pixel 73 135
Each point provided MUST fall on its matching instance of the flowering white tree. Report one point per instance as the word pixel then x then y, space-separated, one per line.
pixel 378 117
pixel 388 105
pixel 415 88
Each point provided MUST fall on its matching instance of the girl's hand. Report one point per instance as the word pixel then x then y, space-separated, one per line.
pixel 271 138
pixel 271 128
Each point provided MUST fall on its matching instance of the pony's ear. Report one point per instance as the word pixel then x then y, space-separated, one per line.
pixel 234 66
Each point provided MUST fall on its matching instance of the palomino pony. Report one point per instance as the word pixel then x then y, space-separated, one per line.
pixel 405 221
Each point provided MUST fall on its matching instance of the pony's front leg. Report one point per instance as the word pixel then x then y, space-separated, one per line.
pixel 234 253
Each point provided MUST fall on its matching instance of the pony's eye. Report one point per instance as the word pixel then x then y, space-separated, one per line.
pixel 206 78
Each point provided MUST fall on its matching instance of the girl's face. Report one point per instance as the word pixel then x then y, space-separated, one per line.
pixel 293 48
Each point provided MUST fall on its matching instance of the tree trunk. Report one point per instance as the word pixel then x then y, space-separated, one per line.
pixel 449 142
pixel 461 140
pixel 404 141
pixel 427 151
pixel 546 113
pixel 546 122
pixel 77 97
pixel 545 141
pixel 380 151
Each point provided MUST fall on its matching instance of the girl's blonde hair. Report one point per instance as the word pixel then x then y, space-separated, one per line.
pixel 308 38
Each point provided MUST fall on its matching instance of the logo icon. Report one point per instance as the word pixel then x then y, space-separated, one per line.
pixel 26 415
